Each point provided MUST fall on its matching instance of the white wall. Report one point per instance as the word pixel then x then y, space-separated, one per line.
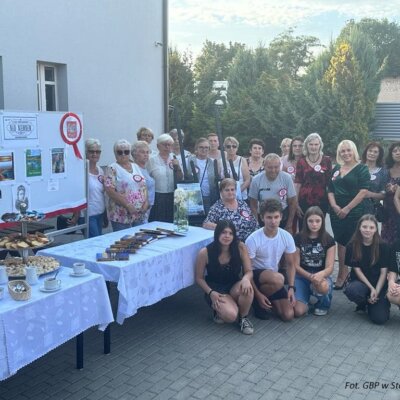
pixel 114 70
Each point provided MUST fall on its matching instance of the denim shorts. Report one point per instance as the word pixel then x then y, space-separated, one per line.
pixel 304 292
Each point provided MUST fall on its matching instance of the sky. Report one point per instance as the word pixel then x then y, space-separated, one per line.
pixel 255 22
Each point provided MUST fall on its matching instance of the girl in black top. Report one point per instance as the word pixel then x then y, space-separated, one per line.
pixel 369 258
pixel 315 256
pixel 227 284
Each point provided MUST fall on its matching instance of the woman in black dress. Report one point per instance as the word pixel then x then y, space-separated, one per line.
pixel 346 191
pixel 227 285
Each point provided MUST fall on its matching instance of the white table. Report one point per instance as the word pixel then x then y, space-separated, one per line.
pixel 30 329
pixel 157 270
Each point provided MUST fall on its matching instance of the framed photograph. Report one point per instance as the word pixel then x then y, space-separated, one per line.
pixel 21 198
pixel 58 161
pixel 7 167
pixel 33 163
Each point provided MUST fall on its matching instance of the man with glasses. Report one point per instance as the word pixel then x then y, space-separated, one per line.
pixel 206 174
pixel 274 184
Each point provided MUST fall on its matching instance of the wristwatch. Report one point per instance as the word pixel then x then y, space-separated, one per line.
pixel 292 287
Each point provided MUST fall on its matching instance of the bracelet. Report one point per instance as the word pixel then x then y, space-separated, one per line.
pixel 209 293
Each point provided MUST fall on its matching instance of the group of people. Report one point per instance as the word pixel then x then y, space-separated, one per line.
pixel 271 249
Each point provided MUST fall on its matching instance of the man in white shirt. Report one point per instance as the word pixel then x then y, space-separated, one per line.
pixel 274 184
pixel 266 247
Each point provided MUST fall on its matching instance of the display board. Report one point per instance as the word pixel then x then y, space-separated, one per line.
pixel 42 162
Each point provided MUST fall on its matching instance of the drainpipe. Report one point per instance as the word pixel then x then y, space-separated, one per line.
pixel 165 64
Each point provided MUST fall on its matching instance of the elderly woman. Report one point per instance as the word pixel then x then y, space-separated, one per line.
pixel 255 161
pixel 390 228
pixel 372 157
pixel 146 135
pixel 204 169
pixel 346 191
pixel 240 166
pixel 140 153
pixel 231 209
pixel 313 173
pixel 161 168
pixel 126 188
pixel 96 201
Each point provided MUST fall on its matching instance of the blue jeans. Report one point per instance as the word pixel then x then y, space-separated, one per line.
pixel 304 292
pixel 95 225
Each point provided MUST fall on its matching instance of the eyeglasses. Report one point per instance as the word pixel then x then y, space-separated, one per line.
pixel 203 147
pixel 231 146
pixel 94 151
pixel 123 152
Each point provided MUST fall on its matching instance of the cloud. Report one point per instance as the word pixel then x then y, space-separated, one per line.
pixel 261 13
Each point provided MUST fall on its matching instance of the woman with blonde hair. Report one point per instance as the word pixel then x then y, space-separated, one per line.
pixel 346 191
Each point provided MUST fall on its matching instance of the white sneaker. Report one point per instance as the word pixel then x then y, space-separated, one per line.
pixel 320 311
pixel 246 327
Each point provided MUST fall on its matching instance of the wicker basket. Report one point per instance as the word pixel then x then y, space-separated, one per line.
pixel 26 295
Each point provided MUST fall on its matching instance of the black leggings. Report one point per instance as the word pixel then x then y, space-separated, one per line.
pixel 358 292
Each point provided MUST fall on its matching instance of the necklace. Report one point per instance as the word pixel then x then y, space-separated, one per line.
pixel 313 162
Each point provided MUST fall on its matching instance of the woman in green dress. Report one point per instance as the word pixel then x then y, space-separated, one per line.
pixel 348 186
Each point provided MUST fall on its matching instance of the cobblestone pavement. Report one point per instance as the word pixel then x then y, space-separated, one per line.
pixel 173 350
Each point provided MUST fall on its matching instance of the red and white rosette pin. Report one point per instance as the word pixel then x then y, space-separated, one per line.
pixel 317 168
pixel 100 178
pixel 291 169
pixel 171 165
pixel 71 131
pixel 245 214
pixel 137 178
pixel 335 175
pixel 282 193
pixel 373 177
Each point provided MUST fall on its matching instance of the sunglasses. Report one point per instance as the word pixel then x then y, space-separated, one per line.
pixel 94 151
pixel 230 146
pixel 123 152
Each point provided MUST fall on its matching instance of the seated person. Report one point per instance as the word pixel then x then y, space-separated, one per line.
pixel 227 285
pixel 266 247
pixel 369 259
pixel 393 293
pixel 315 256
pixel 229 208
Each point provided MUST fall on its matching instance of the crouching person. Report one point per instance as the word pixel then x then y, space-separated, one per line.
pixel 227 285
pixel 266 247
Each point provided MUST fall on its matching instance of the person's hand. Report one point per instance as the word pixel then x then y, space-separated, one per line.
pixel 291 297
pixel 343 212
pixel 264 302
pixel 373 296
pixel 217 299
pixel 336 209
pixel 245 286
pixel 175 161
pixel 300 213
pixel 317 278
pixel 394 289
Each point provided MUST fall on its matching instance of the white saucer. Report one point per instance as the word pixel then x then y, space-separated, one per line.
pixel 43 289
pixel 84 273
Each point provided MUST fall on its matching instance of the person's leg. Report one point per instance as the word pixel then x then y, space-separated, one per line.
pixel 343 270
pixel 270 282
pixel 357 292
pixel 379 312
pixel 393 299
pixel 303 293
pixel 244 301
pixel 94 225
pixel 227 310
pixel 324 300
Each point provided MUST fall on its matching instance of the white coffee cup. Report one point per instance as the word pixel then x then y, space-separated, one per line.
pixel 52 284
pixel 3 275
pixel 79 268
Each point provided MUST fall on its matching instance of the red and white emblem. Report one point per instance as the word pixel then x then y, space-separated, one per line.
pixel 317 168
pixel 137 178
pixel 291 169
pixel 100 178
pixel 282 192
pixel 245 214
pixel 335 175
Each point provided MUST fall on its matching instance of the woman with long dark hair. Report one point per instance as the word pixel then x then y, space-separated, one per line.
pixel 369 258
pixel 289 162
pixel 315 256
pixel 227 285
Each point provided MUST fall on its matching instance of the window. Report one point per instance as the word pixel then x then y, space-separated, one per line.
pixel 52 87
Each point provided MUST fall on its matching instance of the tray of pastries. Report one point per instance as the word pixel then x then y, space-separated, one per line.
pixel 15 266
pixel 29 216
pixel 17 241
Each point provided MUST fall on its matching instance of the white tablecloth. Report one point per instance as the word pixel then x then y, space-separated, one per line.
pixel 29 329
pixel 157 270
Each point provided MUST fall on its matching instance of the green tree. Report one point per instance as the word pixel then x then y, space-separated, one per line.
pixel 181 87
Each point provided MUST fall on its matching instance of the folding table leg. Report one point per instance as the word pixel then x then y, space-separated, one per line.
pixel 79 351
pixel 107 332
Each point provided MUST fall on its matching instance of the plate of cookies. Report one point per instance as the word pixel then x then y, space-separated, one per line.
pixel 17 241
pixel 15 266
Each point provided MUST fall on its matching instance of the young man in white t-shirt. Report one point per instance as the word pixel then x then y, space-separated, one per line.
pixel 266 247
